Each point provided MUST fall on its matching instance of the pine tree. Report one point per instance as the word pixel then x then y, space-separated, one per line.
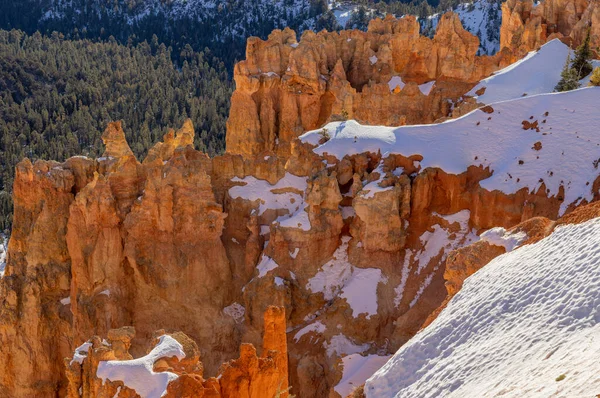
pixel 581 63
pixel 595 79
pixel 569 79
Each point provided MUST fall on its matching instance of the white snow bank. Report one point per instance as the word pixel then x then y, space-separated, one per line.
pixel 396 81
pixel 316 327
pixel 339 278
pixel 426 87
pixel 370 189
pixel 265 265
pixel 357 369
pixel 537 73
pixel 254 189
pixel 81 353
pixel 501 237
pixel 3 254
pixel 139 375
pixel 438 242
pixel 342 345
pixel 519 323
pixel 497 140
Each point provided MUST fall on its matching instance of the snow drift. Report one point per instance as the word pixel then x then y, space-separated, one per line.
pixel 526 325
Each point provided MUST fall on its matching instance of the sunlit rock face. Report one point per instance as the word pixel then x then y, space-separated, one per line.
pixel 388 75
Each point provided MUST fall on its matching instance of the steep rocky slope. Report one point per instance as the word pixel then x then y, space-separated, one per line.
pixel 347 228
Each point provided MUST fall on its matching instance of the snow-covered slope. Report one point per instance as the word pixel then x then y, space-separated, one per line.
pixel 537 73
pixel 526 325
pixel 506 140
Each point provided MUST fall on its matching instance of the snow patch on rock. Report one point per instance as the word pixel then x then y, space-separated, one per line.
pixel 139 375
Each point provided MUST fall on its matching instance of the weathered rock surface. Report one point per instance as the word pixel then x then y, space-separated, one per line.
pixel 525 26
pixel 284 88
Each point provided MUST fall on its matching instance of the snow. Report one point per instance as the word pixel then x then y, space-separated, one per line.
pixel 426 87
pixel 501 237
pixel 81 353
pixel 3 254
pixel 330 279
pixel 526 318
pixel 294 253
pixel 342 345
pixel 287 193
pixel 265 265
pixel 339 278
pixel 537 73
pixel 399 290
pixel 279 281
pixel 356 370
pixel 395 81
pixel 438 242
pixel 347 212
pixel 361 291
pixel 568 120
pixel 299 219
pixel 422 288
pixel 440 239
pixel 315 327
pixel 139 375
pixel 236 311
pixel 373 59
pixel 373 187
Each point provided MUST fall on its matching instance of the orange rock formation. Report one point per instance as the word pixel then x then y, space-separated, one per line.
pixel 98 244
pixel 248 376
pixel 284 88
pixel 525 26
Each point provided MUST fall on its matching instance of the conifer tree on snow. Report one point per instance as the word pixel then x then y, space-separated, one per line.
pixel 569 78
pixel 583 54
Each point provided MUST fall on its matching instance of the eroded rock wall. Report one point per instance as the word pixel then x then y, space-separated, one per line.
pixel 388 75
pixel 526 26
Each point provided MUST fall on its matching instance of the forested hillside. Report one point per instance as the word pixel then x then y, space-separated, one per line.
pixel 57 95
pixel 220 25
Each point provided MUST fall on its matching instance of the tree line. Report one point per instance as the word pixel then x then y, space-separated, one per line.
pixel 57 95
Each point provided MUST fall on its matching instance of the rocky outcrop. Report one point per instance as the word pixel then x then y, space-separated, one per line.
pixel 285 87
pixel 105 368
pixel 525 26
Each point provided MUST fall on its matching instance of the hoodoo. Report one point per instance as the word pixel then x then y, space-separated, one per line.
pixel 340 221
